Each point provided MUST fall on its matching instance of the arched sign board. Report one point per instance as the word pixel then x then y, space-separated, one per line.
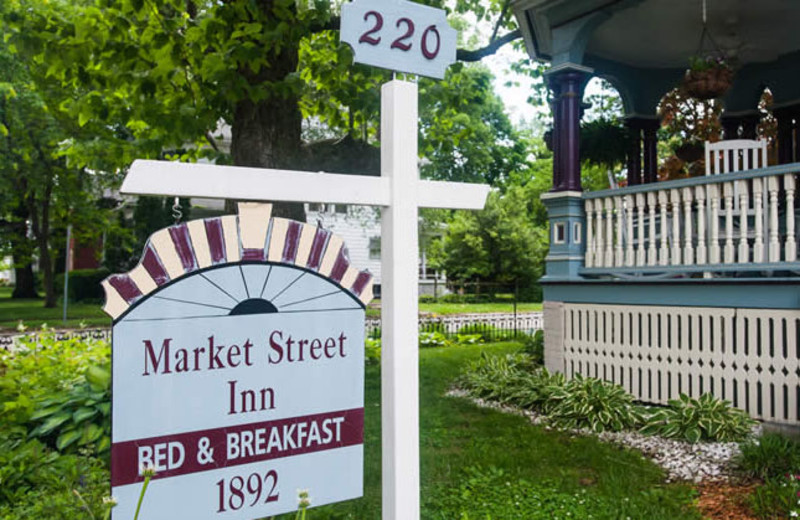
pixel 237 359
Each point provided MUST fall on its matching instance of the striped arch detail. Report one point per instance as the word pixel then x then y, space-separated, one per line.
pixel 179 250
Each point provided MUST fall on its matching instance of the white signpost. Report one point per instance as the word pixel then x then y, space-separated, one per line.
pixel 398 190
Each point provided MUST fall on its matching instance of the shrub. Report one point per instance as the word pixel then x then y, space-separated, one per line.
pixel 706 418
pixel 78 418
pixel 39 484
pixel 510 379
pixel 433 339
pixel 84 284
pixel 468 339
pixel 486 331
pixel 769 456
pixel 372 351
pixel 427 298
pixel 594 404
pixel 534 346
pixel 777 498
pixel 42 367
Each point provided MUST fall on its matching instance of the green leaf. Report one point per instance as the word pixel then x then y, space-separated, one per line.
pixel 81 414
pixel 692 435
pixel 52 423
pixel 67 438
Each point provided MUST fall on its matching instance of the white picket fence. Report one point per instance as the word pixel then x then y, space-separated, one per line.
pixel 738 218
pixel 749 357
pixel 503 322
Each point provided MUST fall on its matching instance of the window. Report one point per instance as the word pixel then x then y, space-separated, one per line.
pixel 340 208
pixel 559 233
pixel 576 232
pixel 375 248
pixel 314 206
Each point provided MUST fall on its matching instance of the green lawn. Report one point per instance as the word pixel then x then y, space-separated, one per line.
pixel 374 309
pixel 479 463
pixel 33 314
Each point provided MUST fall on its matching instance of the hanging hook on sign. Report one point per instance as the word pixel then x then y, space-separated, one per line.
pixel 176 211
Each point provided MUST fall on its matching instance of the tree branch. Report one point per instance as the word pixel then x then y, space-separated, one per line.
pixel 493 47
pixel 499 20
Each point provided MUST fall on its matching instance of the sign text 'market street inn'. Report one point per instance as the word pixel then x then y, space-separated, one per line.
pixel 283 348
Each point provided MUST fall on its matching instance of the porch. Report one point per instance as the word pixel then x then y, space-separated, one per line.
pixel 683 286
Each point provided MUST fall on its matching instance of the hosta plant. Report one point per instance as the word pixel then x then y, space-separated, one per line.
pixel 510 379
pixel 693 420
pixel 591 403
pixel 79 417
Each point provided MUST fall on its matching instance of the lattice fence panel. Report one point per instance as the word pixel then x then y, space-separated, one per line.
pixel 749 357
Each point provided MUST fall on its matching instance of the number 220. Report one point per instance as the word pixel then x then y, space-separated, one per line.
pixel 402 42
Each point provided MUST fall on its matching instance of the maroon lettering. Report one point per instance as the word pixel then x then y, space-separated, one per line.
pixel 275 346
pixel 149 354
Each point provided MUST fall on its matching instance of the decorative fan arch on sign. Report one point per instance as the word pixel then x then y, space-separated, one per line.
pixel 207 247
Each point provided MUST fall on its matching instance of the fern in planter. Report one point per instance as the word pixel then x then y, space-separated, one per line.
pixel 693 420
pixel 598 405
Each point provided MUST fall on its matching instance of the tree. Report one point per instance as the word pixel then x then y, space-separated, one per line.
pixel 159 74
pixel 500 244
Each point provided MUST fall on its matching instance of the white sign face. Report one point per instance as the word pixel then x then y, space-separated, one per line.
pixel 399 35
pixel 240 384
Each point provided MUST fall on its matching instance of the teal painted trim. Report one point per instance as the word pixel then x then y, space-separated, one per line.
pixel 680 269
pixel 759 293
pixel 696 181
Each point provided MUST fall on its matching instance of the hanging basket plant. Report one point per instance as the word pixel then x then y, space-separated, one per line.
pixel 707 78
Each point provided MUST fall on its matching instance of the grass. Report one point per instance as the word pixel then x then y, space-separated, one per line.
pixel 478 463
pixel 374 310
pixel 33 314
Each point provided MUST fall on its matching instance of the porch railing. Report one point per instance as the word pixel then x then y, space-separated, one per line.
pixel 742 221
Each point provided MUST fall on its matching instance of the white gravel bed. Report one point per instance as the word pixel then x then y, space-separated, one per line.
pixel 683 461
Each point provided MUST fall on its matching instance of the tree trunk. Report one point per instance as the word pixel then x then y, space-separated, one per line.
pixel 24 286
pixel 266 133
pixel 21 253
pixel 41 231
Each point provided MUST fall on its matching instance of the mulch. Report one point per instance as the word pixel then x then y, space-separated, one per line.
pixel 725 500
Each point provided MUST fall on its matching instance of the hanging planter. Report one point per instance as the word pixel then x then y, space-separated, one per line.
pixel 707 78
pixel 709 75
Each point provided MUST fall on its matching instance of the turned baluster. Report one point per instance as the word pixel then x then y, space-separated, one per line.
pixel 700 196
pixel 744 247
pixel 663 252
pixel 629 224
pixel 791 246
pixel 713 202
pixel 688 248
pixel 758 206
pixel 588 258
pixel 652 257
pixel 728 252
pixel 675 198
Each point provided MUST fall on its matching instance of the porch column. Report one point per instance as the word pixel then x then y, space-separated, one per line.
pixel 730 127
pixel 649 126
pixel 634 161
pixel 785 117
pixel 566 84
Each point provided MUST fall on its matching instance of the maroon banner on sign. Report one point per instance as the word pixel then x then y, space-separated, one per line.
pixel 205 450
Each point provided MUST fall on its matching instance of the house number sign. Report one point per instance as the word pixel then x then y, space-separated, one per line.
pixel 399 35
